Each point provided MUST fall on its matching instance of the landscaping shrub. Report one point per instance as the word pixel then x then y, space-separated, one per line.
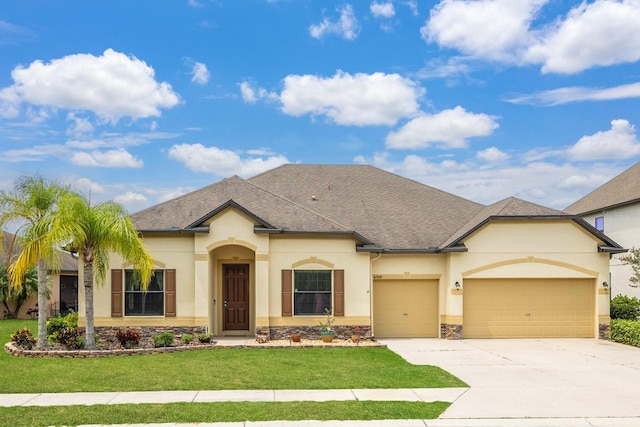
pixel 187 339
pixel 164 339
pixel 70 338
pixel 54 324
pixel 626 332
pixel 205 338
pixel 128 338
pixel 23 339
pixel 625 308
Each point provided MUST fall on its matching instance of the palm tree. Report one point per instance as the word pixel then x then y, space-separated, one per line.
pixel 94 232
pixel 32 205
pixel 11 294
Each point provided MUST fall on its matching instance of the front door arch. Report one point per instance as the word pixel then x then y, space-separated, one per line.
pixel 235 294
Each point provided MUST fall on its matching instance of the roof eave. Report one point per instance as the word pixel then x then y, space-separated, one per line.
pixel 377 249
pixel 612 249
pixel 194 230
pixel 603 209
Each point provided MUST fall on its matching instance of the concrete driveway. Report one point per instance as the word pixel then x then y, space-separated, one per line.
pixel 536 378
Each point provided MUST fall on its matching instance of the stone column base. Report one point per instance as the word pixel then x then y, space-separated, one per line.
pixel 450 331
pixel 604 331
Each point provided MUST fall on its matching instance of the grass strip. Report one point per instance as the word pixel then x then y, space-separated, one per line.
pixel 218 412
pixel 219 369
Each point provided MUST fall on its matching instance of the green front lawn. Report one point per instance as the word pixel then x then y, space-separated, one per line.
pixel 218 412
pixel 217 369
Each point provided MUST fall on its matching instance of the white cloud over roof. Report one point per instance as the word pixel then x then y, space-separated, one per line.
pixel 221 162
pixel 358 100
pixel 447 129
pixel 620 142
pixel 112 86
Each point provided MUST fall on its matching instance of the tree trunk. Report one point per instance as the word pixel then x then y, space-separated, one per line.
pixel 90 342
pixel 42 304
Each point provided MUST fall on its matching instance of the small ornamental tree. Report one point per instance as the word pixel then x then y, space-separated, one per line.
pixel 632 258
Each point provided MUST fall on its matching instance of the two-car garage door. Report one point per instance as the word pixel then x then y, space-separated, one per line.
pixel 492 308
pixel 529 308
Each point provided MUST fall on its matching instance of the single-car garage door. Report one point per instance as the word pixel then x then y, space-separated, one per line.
pixel 405 308
pixel 529 308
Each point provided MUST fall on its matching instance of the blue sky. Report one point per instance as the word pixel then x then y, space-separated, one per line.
pixel 143 101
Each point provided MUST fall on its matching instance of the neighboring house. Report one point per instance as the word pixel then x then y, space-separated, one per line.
pixel 63 284
pixel 614 208
pixel 396 258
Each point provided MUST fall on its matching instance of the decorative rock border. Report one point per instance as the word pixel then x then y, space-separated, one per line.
pixel 85 354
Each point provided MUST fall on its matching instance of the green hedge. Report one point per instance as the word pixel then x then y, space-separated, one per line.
pixel 626 331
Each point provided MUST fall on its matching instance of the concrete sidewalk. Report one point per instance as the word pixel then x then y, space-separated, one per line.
pixel 500 422
pixel 118 398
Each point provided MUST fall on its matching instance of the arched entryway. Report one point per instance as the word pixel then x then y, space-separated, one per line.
pixel 232 284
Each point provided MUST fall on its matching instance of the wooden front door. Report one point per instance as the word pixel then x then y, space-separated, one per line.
pixel 236 297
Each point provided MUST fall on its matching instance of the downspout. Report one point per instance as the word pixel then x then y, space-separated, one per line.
pixel 379 255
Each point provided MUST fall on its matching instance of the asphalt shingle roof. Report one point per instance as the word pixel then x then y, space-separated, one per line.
pixel 624 188
pixel 389 211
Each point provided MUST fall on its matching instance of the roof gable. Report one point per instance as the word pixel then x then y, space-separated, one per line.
pixel 621 190
pixel 517 209
pixel 188 212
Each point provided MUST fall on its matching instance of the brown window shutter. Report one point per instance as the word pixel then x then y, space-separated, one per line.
pixel 116 293
pixel 338 292
pixel 170 293
pixel 287 298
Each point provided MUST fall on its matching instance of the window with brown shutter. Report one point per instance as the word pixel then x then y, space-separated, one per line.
pixel 286 293
pixel 170 293
pixel 338 293
pixel 116 293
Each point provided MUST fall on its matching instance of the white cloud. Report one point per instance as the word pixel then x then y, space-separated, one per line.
pixel 413 5
pixel 112 86
pixel 600 33
pixel 448 129
pixel 131 199
pixel 596 33
pixel 492 29
pixel 620 142
pixel 200 74
pixel 383 9
pixel 87 186
pixel 358 100
pixel 492 155
pixel 221 162
pixel 575 94
pixel 251 95
pixel 347 26
pixel 79 127
pixel 108 159
pixel 248 94
pixel 548 184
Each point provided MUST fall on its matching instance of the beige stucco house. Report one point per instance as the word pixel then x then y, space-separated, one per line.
pixel 266 256
pixel 614 208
